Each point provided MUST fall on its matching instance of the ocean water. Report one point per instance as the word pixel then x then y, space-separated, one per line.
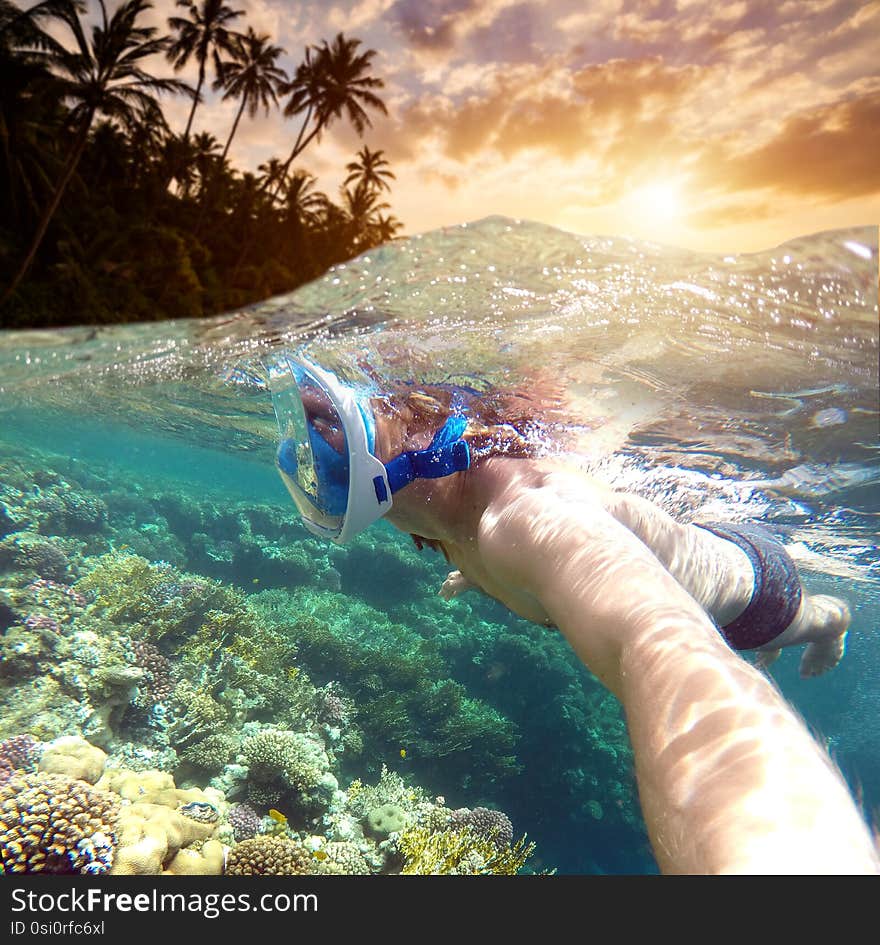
pixel 740 387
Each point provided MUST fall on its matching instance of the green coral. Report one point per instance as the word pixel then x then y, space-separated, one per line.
pixel 459 852
pixel 396 678
pixel 154 601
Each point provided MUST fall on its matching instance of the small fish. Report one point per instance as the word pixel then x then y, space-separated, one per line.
pixel 124 547
pixel 320 855
pixel 403 753
pixel 277 816
pixel 256 581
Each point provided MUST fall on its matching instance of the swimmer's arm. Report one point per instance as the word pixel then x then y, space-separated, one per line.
pixel 730 780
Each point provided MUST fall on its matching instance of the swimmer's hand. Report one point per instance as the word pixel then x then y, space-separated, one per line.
pixel 456 583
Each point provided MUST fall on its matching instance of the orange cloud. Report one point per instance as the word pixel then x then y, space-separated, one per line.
pixel 611 109
pixel 828 152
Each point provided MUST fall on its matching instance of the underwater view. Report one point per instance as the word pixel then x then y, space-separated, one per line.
pixel 192 682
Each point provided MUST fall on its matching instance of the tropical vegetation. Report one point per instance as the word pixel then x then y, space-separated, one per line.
pixel 108 214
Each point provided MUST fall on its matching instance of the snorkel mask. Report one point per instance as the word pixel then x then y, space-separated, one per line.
pixel 326 454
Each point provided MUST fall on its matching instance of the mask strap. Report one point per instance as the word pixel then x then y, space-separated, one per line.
pixel 447 454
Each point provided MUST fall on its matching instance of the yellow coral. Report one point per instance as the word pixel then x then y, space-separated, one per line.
pixel 75 757
pixel 460 852
pixel 152 835
pixel 207 861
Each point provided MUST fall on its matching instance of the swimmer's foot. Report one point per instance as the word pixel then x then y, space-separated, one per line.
pixel 823 655
pixel 827 627
pixel 456 583
pixel 764 659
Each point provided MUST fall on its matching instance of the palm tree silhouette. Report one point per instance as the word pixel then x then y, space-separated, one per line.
pixel 371 170
pixel 27 100
pixel 332 81
pixel 103 76
pixel 272 174
pixel 252 75
pixel 361 205
pixel 302 203
pixel 204 33
pixel 386 227
pixel 205 156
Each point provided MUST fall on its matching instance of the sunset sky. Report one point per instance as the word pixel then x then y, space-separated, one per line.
pixel 719 126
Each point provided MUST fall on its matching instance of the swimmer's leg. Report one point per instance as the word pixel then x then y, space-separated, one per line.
pixel 822 623
pixel 764 659
pixel 456 583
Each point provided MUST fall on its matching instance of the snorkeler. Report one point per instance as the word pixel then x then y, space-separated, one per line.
pixel 730 780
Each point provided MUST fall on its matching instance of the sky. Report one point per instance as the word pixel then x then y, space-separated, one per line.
pixel 721 126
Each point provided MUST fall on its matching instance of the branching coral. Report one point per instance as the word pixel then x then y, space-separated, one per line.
pixel 154 601
pixel 459 852
pixel 286 763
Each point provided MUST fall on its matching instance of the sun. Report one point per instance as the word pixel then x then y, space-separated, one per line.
pixel 661 201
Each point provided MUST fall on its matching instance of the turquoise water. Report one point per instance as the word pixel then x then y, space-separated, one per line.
pixel 738 387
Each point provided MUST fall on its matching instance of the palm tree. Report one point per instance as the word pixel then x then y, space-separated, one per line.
pixel 205 156
pixel 101 76
pixel 204 33
pixel 26 101
pixel 252 75
pixel 272 174
pixel 332 81
pixel 371 170
pixel 302 203
pixel 386 227
pixel 361 205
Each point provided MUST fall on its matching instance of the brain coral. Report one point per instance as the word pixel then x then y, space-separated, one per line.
pixel 385 820
pixel 51 823
pixel 75 757
pixel 269 856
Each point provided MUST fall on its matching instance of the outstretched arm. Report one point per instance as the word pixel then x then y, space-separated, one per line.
pixel 730 780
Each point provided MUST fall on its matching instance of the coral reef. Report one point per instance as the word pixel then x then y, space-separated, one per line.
pixel 459 852
pixel 19 753
pixel 51 823
pixel 152 835
pixel 181 631
pixel 383 821
pixel 75 757
pixel 269 856
pixel 487 824
pixel 287 767
pixel 246 823
pixel 34 555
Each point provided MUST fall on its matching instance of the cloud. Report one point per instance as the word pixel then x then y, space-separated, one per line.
pixel 361 14
pixel 439 25
pixel 828 152
pixel 598 109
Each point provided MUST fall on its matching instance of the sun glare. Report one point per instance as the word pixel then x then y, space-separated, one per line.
pixel 660 200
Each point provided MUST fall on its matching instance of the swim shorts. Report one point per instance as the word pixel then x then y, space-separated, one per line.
pixel 777 593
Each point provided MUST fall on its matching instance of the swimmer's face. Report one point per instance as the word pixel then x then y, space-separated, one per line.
pixel 323 418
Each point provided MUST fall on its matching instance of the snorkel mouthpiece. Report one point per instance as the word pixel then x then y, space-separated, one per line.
pixel 325 457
